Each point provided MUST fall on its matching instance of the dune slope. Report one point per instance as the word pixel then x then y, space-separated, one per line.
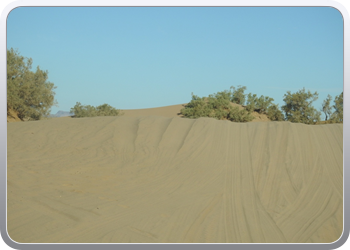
pixel 160 179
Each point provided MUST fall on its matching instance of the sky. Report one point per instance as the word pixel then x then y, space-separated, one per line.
pixel 145 57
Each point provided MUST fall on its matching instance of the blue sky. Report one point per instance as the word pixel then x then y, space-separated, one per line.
pixel 148 57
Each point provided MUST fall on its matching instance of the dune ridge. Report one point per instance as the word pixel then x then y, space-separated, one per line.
pixel 156 179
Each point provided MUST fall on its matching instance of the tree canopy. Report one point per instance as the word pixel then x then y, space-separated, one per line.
pixel 29 93
pixel 337 116
pixel 298 107
pixel 326 107
pixel 237 95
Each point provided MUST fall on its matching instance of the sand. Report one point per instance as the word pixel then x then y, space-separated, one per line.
pixel 175 111
pixel 165 179
pixel 167 111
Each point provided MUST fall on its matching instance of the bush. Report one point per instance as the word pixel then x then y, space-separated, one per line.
pixel 274 113
pixel 217 106
pixel 251 102
pixel 196 108
pixel 326 108
pixel 91 111
pixel 29 94
pixel 298 107
pixel 260 104
pixel 337 116
pixel 237 115
pixel 263 103
pixel 238 95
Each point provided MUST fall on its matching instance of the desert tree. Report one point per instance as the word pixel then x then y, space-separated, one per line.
pixel 264 105
pixel 29 93
pixel 260 104
pixel 238 95
pixel 251 102
pixel 274 113
pixel 337 116
pixel 326 107
pixel 298 107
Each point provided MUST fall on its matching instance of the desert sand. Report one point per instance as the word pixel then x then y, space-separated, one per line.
pixel 167 111
pixel 158 178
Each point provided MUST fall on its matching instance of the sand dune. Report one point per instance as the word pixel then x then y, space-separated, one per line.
pixel 175 111
pixel 167 111
pixel 145 179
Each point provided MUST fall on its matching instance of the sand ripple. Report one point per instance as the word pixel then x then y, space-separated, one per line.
pixel 160 179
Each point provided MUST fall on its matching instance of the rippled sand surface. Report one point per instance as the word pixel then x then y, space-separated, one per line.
pixel 154 179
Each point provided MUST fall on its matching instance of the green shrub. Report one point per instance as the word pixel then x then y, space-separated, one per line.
pixel 263 103
pixel 217 106
pixel 237 95
pixel 91 111
pixel 196 108
pixel 259 105
pixel 337 116
pixel 226 95
pixel 274 113
pixel 298 107
pixel 237 115
pixel 326 107
pixel 29 93
pixel 251 102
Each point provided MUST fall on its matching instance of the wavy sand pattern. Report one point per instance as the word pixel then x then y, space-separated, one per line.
pixel 162 179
